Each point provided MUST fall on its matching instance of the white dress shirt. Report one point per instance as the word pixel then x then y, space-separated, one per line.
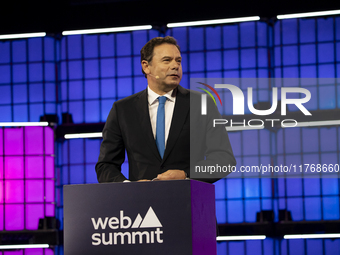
pixel 168 109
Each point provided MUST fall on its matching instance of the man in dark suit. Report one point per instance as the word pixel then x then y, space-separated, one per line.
pixel 132 125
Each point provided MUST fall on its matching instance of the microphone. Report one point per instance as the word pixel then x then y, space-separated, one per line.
pixel 156 76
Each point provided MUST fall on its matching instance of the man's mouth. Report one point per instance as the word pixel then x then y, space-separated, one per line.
pixel 174 75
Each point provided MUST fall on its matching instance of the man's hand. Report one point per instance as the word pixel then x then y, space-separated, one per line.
pixel 172 175
pixel 143 180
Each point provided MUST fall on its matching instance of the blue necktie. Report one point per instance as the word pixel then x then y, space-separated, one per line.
pixel 160 126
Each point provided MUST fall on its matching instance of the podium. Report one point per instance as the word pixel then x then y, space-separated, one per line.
pixel 159 217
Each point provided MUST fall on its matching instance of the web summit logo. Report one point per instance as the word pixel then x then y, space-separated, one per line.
pixel 150 222
pixel 238 104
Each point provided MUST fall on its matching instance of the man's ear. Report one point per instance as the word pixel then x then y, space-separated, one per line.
pixel 145 67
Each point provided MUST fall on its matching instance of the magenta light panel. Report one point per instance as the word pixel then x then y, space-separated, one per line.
pixel 26 177
pixel 34 251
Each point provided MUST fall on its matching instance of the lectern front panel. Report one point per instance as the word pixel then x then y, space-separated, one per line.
pixel 130 218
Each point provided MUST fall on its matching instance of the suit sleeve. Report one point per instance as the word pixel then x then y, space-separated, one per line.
pixel 112 151
pixel 213 143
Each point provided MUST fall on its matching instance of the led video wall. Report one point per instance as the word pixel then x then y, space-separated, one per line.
pixel 85 74
pixel 27 182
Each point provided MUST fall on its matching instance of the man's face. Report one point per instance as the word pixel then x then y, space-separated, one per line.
pixel 165 68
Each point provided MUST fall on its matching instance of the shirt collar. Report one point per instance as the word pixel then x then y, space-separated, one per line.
pixel 153 96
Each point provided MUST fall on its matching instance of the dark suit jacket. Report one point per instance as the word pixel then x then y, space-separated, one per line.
pixel 128 128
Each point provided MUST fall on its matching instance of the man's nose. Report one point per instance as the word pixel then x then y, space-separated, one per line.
pixel 175 65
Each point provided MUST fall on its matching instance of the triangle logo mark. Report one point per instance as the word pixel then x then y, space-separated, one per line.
pixel 150 220
pixel 137 221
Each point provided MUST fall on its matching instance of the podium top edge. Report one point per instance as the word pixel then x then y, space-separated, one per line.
pixel 135 182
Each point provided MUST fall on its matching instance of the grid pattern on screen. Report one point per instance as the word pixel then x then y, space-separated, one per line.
pixel 310 198
pixel 93 71
pixel 239 199
pixel 307 199
pixel 27 79
pixel 310 48
pixel 26 177
pixel 238 50
pixel 97 70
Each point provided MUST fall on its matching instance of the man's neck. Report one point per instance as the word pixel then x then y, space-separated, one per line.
pixel 161 91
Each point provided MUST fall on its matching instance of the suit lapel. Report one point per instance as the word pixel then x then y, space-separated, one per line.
pixel 181 111
pixel 145 125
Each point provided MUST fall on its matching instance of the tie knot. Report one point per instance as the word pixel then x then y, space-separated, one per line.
pixel 162 100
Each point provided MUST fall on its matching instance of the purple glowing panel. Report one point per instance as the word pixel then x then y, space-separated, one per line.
pixel 33 213
pixel 20 252
pixel 34 251
pixel 50 210
pixel 14 167
pixel 1 142
pixel 14 215
pixel 14 141
pixel 1 217
pixel 39 252
pixel 34 141
pixel 48 252
pixel 49 167
pixel 14 191
pixel 49 191
pixel 34 191
pixel 49 141
pixel 34 167
pixel 1 193
pixel 1 167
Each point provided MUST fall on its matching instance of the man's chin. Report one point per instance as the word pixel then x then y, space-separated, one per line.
pixel 172 80
pixel 172 86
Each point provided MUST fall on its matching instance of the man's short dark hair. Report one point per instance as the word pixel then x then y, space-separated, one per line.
pixel 146 53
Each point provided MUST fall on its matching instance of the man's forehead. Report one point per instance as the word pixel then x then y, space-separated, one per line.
pixel 165 49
